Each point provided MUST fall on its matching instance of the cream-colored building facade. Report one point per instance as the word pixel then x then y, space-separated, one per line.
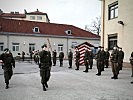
pixel 117 25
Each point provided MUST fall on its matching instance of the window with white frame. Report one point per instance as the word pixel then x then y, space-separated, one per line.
pixel 39 17
pixel 1 46
pixel 60 47
pixel 15 46
pixel 113 10
pixel 31 47
pixel 32 17
pixel 112 41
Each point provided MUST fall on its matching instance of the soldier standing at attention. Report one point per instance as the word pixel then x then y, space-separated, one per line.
pixel 77 57
pixel 86 60
pixel 114 63
pixel 98 59
pixel 131 62
pixel 45 66
pixel 54 57
pixel 61 57
pixel 120 58
pixel 91 59
pixel 8 63
pixel 107 54
pixel 102 58
pixel 70 57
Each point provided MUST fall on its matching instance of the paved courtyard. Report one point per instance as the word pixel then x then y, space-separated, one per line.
pixel 66 84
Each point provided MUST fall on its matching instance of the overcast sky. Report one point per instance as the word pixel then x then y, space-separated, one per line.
pixel 73 12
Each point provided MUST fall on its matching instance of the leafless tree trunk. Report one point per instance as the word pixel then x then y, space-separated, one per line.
pixel 95 26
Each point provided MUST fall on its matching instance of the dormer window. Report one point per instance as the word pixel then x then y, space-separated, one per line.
pixel 36 30
pixel 68 32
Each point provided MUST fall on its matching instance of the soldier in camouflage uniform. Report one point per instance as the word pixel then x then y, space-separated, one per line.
pixel 61 57
pixel 91 59
pixel 77 57
pixel 70 57
pixel 120 58
pixel 86 60
pixel 8 63
pixel 45 66
pixel 114 63
pixel 107 55
pixel 54 57
pixel 131 62
pixel 102 58
pixel 98 59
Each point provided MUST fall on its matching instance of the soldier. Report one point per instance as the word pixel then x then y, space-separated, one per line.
pixel 120 58
pixel 70 57
pixel 86 60
pixel 77 57
pixel 102 58
pixel 98 59
pixel 36 57
pixel 131 62
pixel 61 57
pixel 114 63
pixel 54 57
pixel 8 62
pixel 91 58
pixel 23 55
pixel 45 66
pixel 107 54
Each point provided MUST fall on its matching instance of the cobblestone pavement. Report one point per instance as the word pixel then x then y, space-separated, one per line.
pixel 66 84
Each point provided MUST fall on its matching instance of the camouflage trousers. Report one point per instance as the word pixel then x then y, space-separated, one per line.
pixel 7 75
pixel 45 75
pixel 115 68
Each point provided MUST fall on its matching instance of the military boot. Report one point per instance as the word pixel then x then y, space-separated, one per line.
pixel 7 86
pixel 44 89
pixel 46 85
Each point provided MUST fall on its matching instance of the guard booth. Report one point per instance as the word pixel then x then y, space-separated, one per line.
pixel 81 48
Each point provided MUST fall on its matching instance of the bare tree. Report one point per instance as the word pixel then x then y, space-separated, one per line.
pixel 95 26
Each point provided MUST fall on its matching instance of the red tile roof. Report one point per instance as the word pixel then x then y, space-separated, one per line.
pixel 22 26
pixel 12 15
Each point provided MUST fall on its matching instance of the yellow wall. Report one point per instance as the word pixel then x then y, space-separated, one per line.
pixel 125 35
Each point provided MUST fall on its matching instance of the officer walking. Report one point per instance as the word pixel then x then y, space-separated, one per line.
pixel 114 63
pixel 54 57
pixel 77 57
pixel 8 63
pixel 86 60
pixel 70 57
pixel 120 58
pixel 45 66
pixel 107 55
pixel 61 57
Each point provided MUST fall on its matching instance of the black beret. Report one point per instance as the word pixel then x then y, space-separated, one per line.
pixel 45 45
pixel 6 49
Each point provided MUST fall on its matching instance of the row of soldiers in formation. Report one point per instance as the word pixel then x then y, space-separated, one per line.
pixel 45 63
